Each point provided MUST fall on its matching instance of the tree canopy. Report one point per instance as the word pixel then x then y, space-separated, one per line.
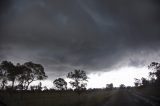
pixel 60 83
pixel 22 74
pixel 79 78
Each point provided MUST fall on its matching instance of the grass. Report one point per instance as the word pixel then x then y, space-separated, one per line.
pixel 65 98
pixel 150 91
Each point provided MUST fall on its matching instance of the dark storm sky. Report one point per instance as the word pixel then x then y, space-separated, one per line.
pixel 88 34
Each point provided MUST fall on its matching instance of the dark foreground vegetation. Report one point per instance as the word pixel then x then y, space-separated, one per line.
pixel 93 97
pixel 16 90
pixel 55 98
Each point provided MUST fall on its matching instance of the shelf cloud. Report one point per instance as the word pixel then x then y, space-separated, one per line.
pixel 90 35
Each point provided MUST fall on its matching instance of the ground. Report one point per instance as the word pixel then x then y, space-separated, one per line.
pixel 127 97
pixel 116 97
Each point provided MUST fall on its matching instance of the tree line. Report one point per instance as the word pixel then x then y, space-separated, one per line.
pixel 154 77
pixel 79 80
pixel 20 76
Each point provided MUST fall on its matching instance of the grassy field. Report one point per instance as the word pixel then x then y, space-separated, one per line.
pixel 149 91
pixel 68 98
pixel 71 98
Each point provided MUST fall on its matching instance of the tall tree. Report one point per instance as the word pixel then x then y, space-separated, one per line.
pixel 32 73
pixel 3 77
pixel 60 83
pixel 155 67
pixel 12 73
pixel 24 76
pixel 79 78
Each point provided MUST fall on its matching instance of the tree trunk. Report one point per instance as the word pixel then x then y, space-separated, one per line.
pixel 3 84
pixel 28 85
pixel 13 84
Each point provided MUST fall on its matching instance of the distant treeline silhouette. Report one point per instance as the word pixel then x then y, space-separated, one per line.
pixel 20 76
pixel 154 77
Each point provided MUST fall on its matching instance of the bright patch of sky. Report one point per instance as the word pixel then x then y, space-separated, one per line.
pixel 124 75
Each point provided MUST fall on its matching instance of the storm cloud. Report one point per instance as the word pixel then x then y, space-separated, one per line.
pixel 88 34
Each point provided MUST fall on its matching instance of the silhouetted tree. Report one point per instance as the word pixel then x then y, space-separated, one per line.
pixel 152 81
pixel 3 77
pixel 24 73
pixel 36 87
pixel 32 72
pixel 155 67
pixel 137 82
pixel 60 83
pixel 79 77
pixel 109 86
pixel 145 82
pixel 122 86
pixel 10 70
